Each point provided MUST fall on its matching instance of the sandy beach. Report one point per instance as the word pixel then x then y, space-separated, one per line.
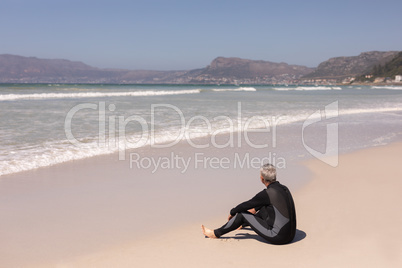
pixel 347 216
pixel 138 134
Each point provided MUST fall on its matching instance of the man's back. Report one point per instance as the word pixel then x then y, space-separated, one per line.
pixel 281 213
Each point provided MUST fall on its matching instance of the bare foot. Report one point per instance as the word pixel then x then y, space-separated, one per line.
pixel 208 232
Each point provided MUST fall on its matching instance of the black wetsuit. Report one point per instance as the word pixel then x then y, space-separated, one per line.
pixel 276 217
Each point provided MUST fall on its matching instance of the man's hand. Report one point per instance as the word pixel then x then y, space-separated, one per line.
pixel 252 211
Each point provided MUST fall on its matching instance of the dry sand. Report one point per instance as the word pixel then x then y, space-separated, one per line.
pixel 54 214
pixel 348 216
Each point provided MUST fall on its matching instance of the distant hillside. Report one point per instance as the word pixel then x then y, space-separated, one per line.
pixel 342 67
pixel 249 70
pixel 18 69
pixel 30 69
pixel 389 69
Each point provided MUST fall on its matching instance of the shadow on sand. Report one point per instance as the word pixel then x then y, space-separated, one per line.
pixel 300 235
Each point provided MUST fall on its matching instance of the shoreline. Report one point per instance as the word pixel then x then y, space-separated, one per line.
pixel 90 205
pixel 209 84
pixel 46 150
pixel 93 204
pixel 336 226
pixel 220 137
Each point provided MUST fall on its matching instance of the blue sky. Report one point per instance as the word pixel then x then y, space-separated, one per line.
pixel 178 35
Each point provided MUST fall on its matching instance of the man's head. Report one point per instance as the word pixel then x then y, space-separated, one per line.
pixel 268 173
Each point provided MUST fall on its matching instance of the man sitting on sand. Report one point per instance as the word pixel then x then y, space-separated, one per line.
pixel 270 213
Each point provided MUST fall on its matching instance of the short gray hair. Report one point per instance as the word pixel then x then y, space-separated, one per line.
pixel 268 173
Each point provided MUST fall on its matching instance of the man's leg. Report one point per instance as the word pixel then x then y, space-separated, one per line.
pixel 260 214
pixel 231 225
pixel 256 223
pixel 234 223
pixel 260 226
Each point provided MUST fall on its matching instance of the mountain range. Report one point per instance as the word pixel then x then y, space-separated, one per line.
pixel 19 69
pixel 343 67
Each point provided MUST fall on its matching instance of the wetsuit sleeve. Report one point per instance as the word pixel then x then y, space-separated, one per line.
pixel 259 200
pixel 258 208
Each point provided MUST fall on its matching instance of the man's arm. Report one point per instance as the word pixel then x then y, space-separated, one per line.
pixel 252 211
pixel 259 200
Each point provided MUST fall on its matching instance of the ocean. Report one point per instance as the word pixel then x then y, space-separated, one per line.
pixel 46 124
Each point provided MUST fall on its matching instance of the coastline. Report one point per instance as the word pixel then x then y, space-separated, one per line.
pixel 54 103
pixel 351 222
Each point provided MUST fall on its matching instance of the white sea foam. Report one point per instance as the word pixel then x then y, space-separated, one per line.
pixel 388 87
pixel 10 97
pixel 16 156
pixel 234 89
pixel 305 88
pixel 384 139
pixel 54 152
pixel 370 110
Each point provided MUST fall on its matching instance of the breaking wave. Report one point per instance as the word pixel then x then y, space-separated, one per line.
pixel 388 87
pixel 10 97
pixel 234 89
pixel 308 88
